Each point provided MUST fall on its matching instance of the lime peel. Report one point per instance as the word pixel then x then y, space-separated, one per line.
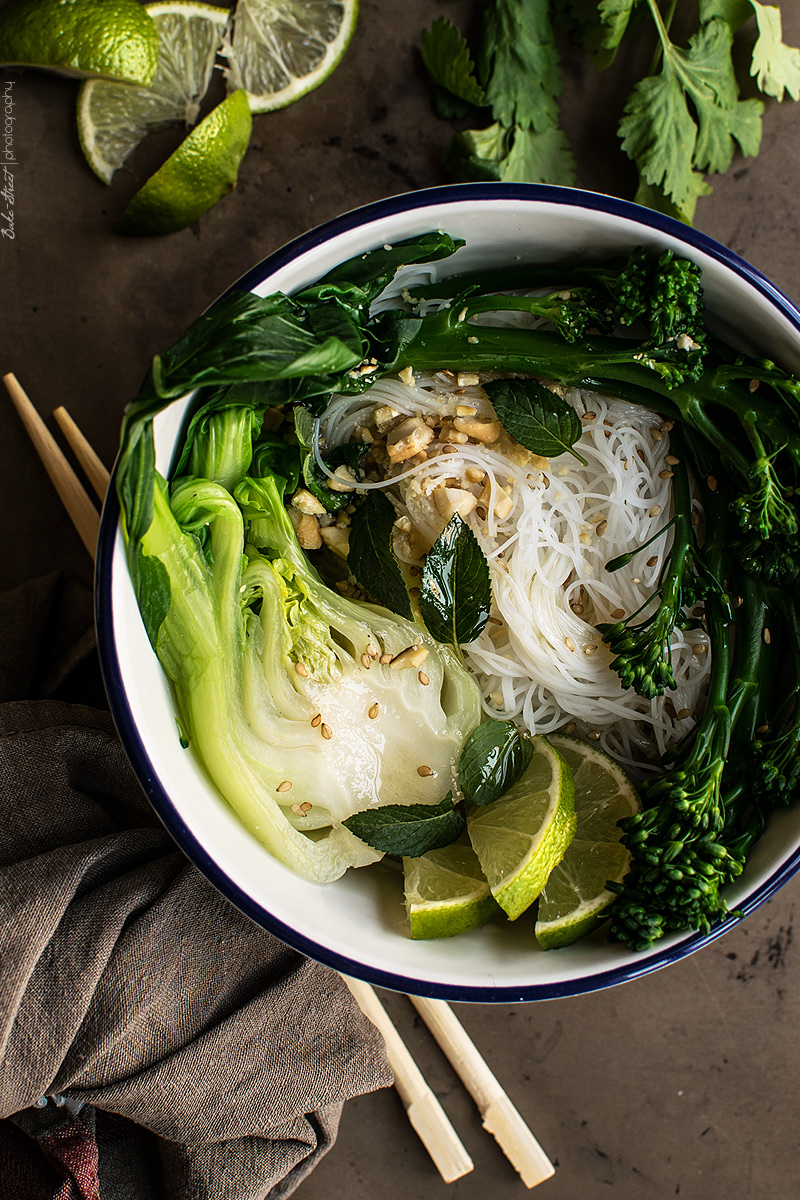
pixel 280 50
pixel 106 39
pixel 202 170
pixel 522 836
pixel 575 900
pixel 446 893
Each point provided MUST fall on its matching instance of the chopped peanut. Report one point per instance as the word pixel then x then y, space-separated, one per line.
pixel 450 500
pixel 307 503
pixel 344 480
pixel 478 429
pixel 337 539
pixel 407 439
pixel 308 532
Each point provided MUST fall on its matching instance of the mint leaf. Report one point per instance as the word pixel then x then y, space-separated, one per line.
pixel 535 417
pixel 445 54
pixel 519 63
pixel 455 589
pixel 494 757
pixel 408 829
pixel 776 67
pixel 371 560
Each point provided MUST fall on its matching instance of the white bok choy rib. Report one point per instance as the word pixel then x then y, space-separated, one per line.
pixel 241 609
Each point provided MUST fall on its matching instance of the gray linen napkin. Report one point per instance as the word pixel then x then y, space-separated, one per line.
pixel 210 1059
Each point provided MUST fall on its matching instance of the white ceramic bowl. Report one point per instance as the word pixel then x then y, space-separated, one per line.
pixel 357 924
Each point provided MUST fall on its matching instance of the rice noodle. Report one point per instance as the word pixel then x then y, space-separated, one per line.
pixel 539 661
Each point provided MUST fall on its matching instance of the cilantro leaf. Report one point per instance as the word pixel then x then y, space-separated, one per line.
pixel 658 129
pixel 519 63
pixel 511 155
pixel 775 66
pixel 445 54
pixel 408 829
pixel 615 15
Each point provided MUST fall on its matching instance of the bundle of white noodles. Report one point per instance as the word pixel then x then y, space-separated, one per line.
pixel 540 660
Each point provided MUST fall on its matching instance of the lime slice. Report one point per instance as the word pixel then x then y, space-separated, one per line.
pixel 576 899
pixel 110 39
pixel 520 837
pixel 282 49
pixel 446 892
pixel 197 175
pixel 113 118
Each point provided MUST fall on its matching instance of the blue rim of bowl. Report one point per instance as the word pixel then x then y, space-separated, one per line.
pixel 633 967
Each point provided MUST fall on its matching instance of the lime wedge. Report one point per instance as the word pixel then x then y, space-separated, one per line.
pixel 446 893
pixel 575 899
pixel 281 49
pixel 110 39
pixel 113 118
pixel 520 837
pixel 202 170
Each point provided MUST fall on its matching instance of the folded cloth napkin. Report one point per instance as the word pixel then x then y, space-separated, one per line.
pixel 155 1044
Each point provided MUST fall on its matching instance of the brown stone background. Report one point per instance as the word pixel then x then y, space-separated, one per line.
pixel 682 1083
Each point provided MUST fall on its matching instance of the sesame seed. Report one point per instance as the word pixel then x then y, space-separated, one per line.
pixel 618 614
pixel 655 510
pixel 667 426
pixel 423 678
pixel 366 661
pixel 651 562
pixel 763 729
pixel 683 713
pixel 315 721
pixel 594 735
pixel 373 711
pixel 569 728
pixel 577 608
pixel 326 732
pixel 753 385
pixel 712 483
pixel 665 474
pixel 568 642
pixel 372 650
pixel 480 512
pixel 589 649
pixel 386 659
pixel 636 579
pixel 306 806
pixel 700 648
pixel 589 416
pixel 657 434
pixel 297 810
pixel 424 771
pixel 601 528
pixel 496 620
pixel 767 637
pixel 301 669
pixel 286 786
pixel 671 460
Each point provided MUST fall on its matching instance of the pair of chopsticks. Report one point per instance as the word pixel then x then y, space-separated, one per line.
pixel 428 1118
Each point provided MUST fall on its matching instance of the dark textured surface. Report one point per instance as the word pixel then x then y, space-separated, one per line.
pixel 680 1084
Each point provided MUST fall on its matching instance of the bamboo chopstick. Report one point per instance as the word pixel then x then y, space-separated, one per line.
pixel 424 1111
pixel 500 1117
pixel 422 1107
pixel 82 511
pixel 95 470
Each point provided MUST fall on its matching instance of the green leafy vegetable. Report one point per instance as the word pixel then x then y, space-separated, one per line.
pixel 683 118
pixel 494 757
pixel 371 559
pixel 409 829
pixel 536 417
pixel 455 590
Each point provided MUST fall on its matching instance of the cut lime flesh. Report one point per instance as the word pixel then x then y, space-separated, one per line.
pixel 114 118
pixel 446 893
pixel 575 899
pixel 282 49
pixel 520 837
